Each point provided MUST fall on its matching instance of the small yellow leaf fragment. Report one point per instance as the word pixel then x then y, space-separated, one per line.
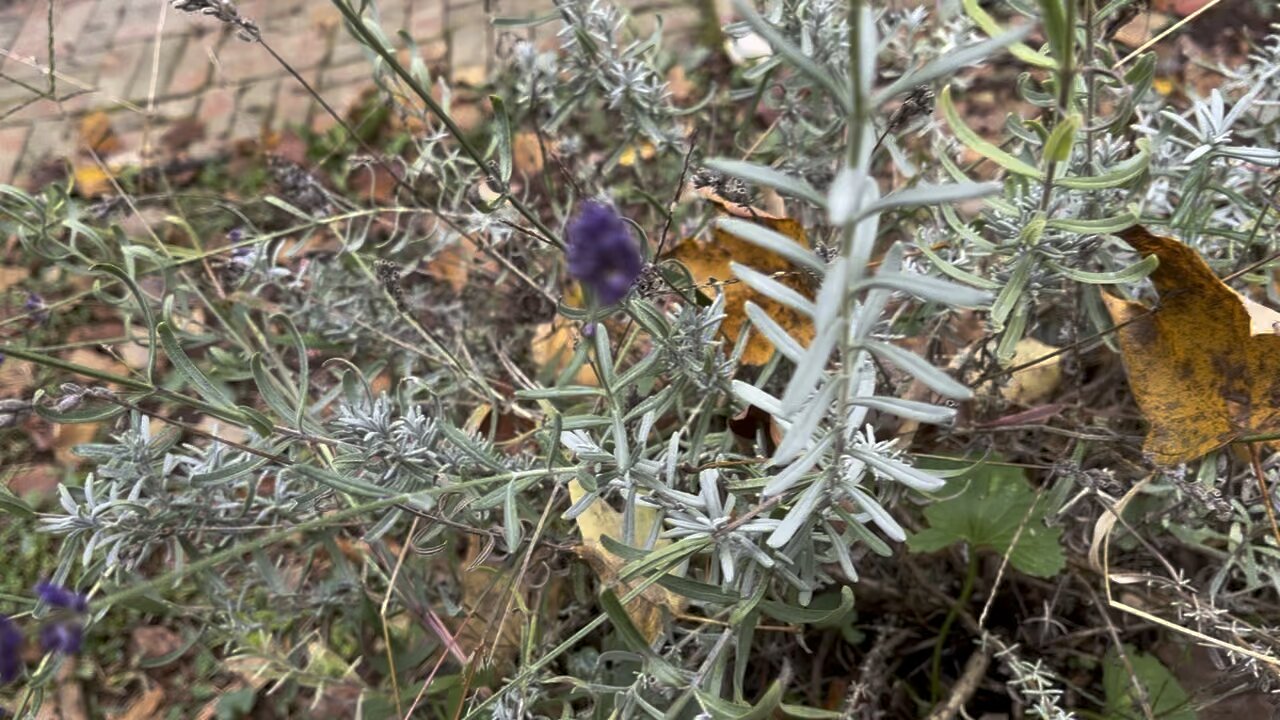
pixel 1037 382
pixel 649 610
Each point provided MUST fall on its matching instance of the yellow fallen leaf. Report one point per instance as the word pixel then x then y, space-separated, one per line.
pixel 708 263
pixel 1032 384
pixel 649 609
pixel 554 342
pixel 97 135
pixel 552 346
pixel 1204 365
pixel 92 180
pixel 633 153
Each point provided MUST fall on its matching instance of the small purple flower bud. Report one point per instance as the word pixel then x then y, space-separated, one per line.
pixel 10 651
pixel 61 637
pixel 36 307
pixel 236 235
pixel 602 253
pixel 61 597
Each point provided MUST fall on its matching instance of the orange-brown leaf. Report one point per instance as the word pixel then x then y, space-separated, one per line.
pixel 1205 364
pixel 97 135
pixel 708 263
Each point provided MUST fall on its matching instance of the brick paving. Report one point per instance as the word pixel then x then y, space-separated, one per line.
pixel 148 66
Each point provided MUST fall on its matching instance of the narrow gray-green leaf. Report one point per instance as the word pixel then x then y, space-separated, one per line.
pixel 188 369
pixel 1123 276
pixel 768 177
pixel 147 317
pixel 773 241
pixel 502 135
pixel 774 333
pixel 930 289
pixel 783 47
pixel 920 369
pixel 952 61
pixel 772 289
pixel 925 194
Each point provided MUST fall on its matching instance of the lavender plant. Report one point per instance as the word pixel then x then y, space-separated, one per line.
pixel 324 437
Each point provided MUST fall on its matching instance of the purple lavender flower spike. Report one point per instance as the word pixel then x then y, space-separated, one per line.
pixel 602 253
pixel 61 637
pixel 10 651
pixel 60 597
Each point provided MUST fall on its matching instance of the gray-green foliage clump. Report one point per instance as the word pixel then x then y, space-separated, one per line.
pixel 331 437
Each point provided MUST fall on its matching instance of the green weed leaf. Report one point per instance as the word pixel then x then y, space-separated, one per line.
pixel 1167 698
pixel 984 508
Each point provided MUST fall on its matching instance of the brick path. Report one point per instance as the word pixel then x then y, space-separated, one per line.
pixel 149 65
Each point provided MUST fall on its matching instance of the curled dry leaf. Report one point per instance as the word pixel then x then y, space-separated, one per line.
pixel 708 263
pixel 493 627
pixel 1204 364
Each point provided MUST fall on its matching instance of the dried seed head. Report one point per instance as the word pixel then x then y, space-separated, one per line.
pixel 224 11
pixel 388 273
pixel 299 187
pixel 918 104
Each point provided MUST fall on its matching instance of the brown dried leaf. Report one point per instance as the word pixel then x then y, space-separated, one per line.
pixel 145 706
pixel 1205 364
pixel 452 264
pixel 10 276
pixel 526 154
pixel 182 134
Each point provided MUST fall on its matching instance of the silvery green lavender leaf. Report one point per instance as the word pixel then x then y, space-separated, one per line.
pixel 768 177
pixel 831 296
pixel 773 241
pixel 900 471
pixel 708 485
pixel 947 64
pixel 801 432
pixel 845 196
pixel 863 385
pixel 783 481
pixel 867 315
pixel 621 448
pixel 924 194
pixel 772 289
pixel 798 515
pixel 917 367
pixel 841 549
pixel 753 395
pixel 580 443
pixel 774 333
pixel 809 371
pixel 673 454
pixel 909 409
pixel 928 288
pixel 864 235
pixel 879 515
